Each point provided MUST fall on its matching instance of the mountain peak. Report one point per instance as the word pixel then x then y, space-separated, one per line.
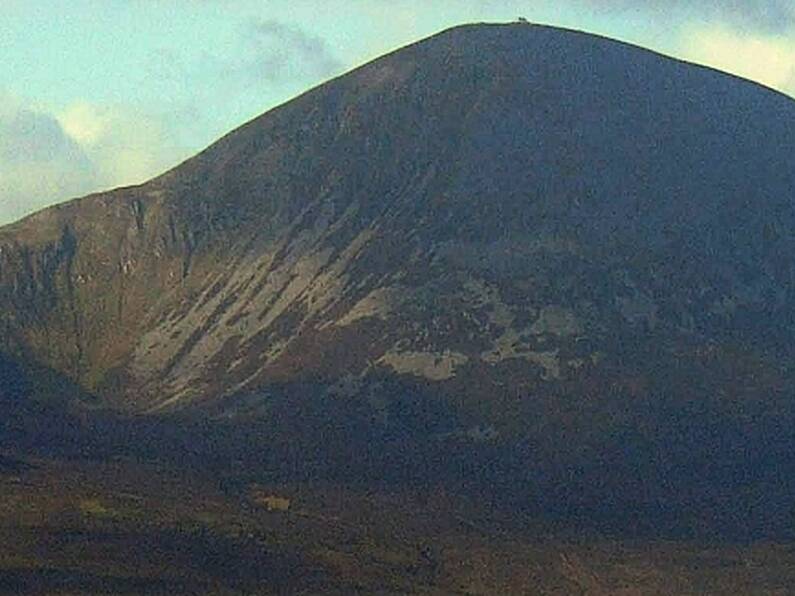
pixel 509 202
pixel 532 264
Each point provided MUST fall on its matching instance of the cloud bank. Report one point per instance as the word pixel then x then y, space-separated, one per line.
pixel 39 163
pixel 764 16
pixel 125 145
pixel 768 59
pixel 46 157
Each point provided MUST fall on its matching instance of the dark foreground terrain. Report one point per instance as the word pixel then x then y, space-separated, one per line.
pixel 126 527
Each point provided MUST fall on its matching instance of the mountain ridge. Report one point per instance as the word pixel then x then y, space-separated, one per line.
pixel 444 214
pixel 458 28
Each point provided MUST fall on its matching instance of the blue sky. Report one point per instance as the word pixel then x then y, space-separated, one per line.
pixel 102 93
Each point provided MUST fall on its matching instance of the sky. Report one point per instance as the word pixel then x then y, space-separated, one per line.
pixel 96 94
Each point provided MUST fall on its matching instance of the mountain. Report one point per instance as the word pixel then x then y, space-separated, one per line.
pixel 503 234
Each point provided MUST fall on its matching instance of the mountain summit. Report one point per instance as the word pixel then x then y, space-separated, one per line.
pixel 500 231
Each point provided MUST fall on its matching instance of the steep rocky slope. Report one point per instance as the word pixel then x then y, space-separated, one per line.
pixel 500 231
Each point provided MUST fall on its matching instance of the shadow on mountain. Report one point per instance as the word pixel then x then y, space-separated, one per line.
pixel 14 466
pixel 40 409
pixel 676 467
pixel 680 459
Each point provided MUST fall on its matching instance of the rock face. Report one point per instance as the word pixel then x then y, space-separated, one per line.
pixel 537 231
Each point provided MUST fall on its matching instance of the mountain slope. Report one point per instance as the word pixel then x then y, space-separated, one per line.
pixel 503 230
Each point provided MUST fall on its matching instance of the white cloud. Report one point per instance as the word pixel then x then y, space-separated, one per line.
pixel 39 162
pixel 46 158
pixel 84 122
pixel 768 59
pixel 125 145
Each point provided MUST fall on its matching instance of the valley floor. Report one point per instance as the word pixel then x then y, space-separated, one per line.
pixel 124 527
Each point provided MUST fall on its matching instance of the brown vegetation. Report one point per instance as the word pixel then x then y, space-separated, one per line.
pixel 125 528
